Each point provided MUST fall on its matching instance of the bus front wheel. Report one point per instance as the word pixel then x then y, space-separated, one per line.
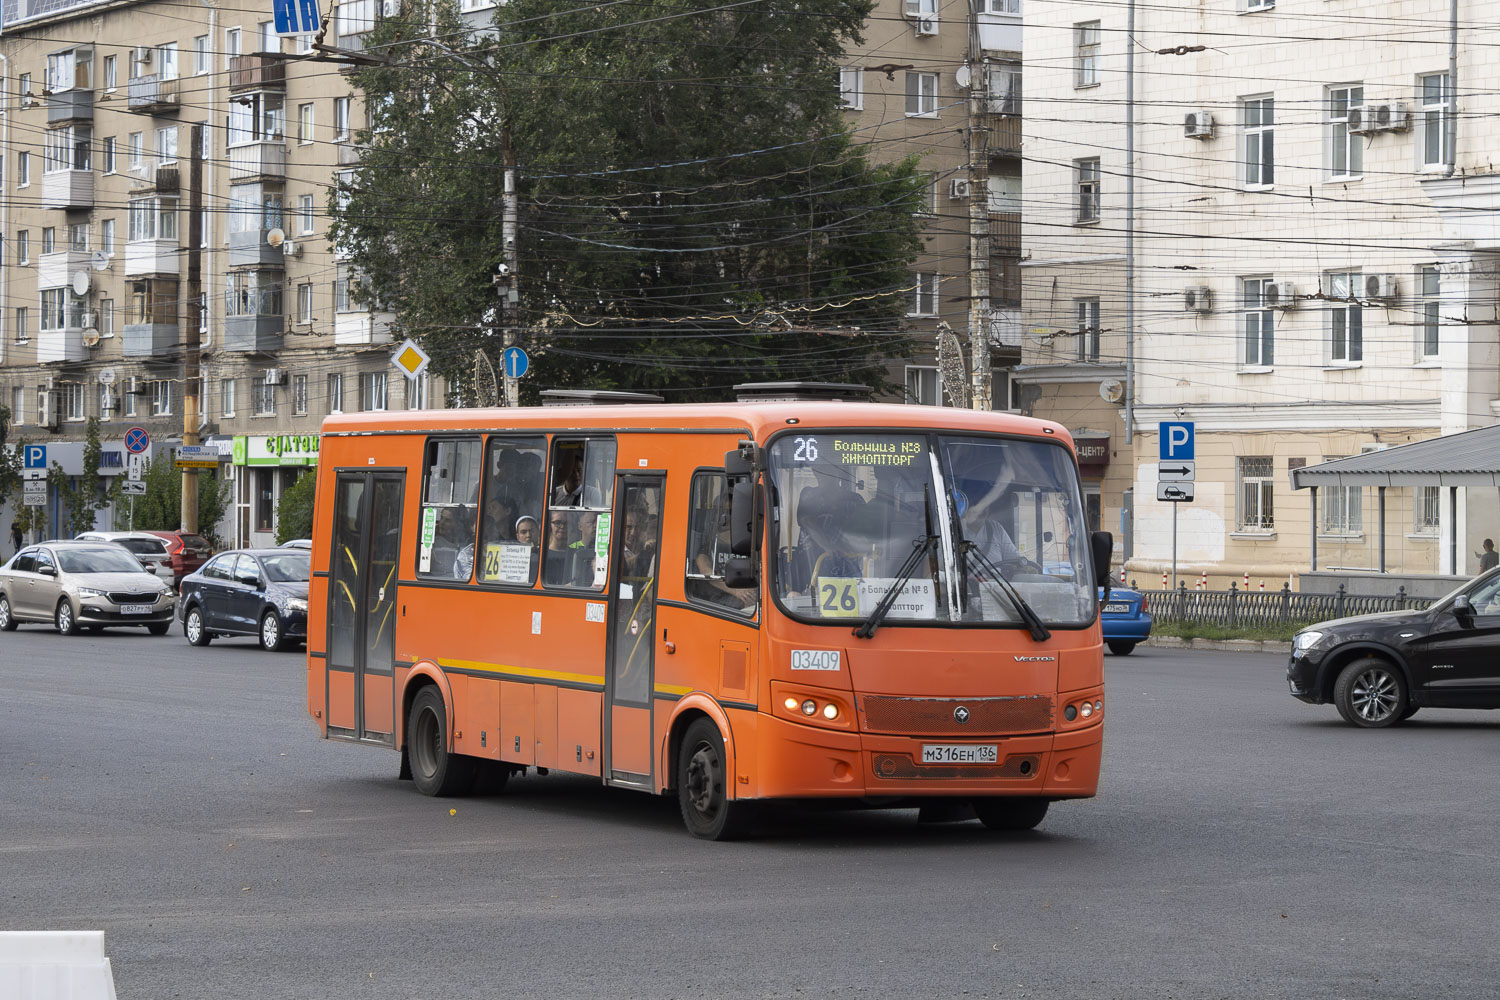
pixel 1010 812
pixel 703 785
pixel 434 770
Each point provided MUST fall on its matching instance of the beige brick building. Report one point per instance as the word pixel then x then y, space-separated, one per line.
pixel 1314 267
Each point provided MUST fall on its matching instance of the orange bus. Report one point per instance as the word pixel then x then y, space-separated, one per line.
pixel 778 598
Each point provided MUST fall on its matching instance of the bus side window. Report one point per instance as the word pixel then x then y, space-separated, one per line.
pixel 450 506
pixel 708 547
pixel 576 547
pixel 510 526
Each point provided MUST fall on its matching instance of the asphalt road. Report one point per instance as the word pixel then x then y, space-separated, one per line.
pixel 1243 845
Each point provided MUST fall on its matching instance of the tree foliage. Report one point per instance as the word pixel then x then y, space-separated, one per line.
pixel 294 512
pixel 160 507
pixel 82 502
pixel 693 211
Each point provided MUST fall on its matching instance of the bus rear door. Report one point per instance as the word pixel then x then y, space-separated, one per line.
pixel 632 631
pixel 362 605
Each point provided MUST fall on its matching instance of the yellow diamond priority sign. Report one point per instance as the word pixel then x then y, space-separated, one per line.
pixel 411 359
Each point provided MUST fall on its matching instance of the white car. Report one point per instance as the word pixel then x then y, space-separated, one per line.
pixel 150 549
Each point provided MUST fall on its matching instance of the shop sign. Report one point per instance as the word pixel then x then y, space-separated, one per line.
pixel 275 449
pixel 1093 452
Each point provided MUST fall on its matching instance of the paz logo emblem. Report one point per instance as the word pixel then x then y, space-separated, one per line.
pixel 961 714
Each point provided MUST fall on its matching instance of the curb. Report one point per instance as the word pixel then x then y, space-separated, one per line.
pixel 1226 645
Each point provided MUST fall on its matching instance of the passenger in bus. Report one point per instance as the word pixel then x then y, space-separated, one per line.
pixel 582 547
pixel 983 524
pixel 639 558
pixel 526 534
pixel 455 529
pixel 708 582
pixel 824 513
pixel 569 479
pixel 558 562
pixel 499 519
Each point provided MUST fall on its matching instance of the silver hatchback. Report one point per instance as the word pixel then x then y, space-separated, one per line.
pixel 73 585
pixel 150 549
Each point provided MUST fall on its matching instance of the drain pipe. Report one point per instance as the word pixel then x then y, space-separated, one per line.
pixel 1452 128
pixel 4 202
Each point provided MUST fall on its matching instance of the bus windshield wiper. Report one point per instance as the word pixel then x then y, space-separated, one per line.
pixel 1028 614
pixel 921 548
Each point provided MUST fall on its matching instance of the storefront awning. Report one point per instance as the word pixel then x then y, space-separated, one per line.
pixel 1468 458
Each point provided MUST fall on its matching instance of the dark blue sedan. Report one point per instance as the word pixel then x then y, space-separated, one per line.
pixel 257 592
pixel 1126 620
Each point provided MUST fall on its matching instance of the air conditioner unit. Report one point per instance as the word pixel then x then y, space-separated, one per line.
pixel 1391 116
pixel 1361 121
pixel 390 8
pixel 927 24
pixel 143 54
pixel 274 376
pixel 958 189
pixel 47 414
pixel 88 319
pixel 1281 295
pixel 1198 298
pixel 291 248
pixel 135 386
pixel 1198 124
pixel 1379 286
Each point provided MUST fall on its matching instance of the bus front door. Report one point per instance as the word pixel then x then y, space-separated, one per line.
pixel 632 631
pixel 362 606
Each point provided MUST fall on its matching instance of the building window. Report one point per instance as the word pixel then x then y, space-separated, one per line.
pixel 416 392
pixel 23 168
pixel 299 394
pixel 305 208
pixel 166 145
pixel 1436 97
pixel 372 386
pixel 1258 324
pixel 924 298
pixel 106 401
pixel 200 55
pixel 340 119
pixel 1086 54
pixel 264 396
pixel 22 323
pixel 18 405
pixel 107 236
pixel 1345 318
pixel 167 61
pixel 153 219
pixel 23 247
pixel 1003 7
pixel 1429 281
pixel 1339 510
pixel 305 302
pixel 1427 506
pixel 269 40
pixel 1346 152
pixel 78 237
pixel 110 80
pixel 1087 327
pixel 852 88
pixel 1257 492
pixel 1003 82
pixel 137 145
pixel 1086 173
pixel 152 300
pixel 231 45
pixel 226 397
pixel 106 317
pixel 49 239
pixel 68 148
pixel 252 293
pixel 921 95
pixel 1259 4
pixel 1259 115
pixel 336 393
pixel 107 154
pixel 161 398
pixel 70 400
pixel 305 123
pixel 257 117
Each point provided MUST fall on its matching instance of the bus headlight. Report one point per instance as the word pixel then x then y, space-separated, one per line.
pixel 809 707
pixel 791 704
pixel 830 711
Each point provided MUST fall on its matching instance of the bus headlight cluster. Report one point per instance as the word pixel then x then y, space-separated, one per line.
pixel 808 706
pixel 1087 709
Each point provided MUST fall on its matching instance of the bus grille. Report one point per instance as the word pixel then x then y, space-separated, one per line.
pixel 986 716
pixel 901 767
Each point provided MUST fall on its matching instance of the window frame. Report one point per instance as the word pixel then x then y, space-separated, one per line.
pixel 851 88
pixel 927 290
pixel 605 446
pixel 1258 142
pixel 1087 326
pixel 1264 318
pixel 1264 483
pixel 1434 114
pixel 1088 190
pixel 1340 99
pixel 491 488
pixel 710 517
pixel 1429 312
pixel 1087 45
pixel 1344 345
pixel 432 460
pixel 921 94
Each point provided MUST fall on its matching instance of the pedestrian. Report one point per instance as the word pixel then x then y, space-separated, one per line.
pixel 15 536
pixel 1489 557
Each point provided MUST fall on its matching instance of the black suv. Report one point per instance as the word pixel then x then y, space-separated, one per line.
pixel 1379 669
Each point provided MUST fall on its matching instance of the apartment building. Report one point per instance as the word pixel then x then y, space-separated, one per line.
pixel 100 104
pixel 907 92
pixel 1313 257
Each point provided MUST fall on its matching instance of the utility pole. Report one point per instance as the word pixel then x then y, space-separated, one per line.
pixel 190 360
pixel 507 277
pixel 1130 229
pixel 979 219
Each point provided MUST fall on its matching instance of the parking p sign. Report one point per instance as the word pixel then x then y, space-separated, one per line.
pixel 1176 440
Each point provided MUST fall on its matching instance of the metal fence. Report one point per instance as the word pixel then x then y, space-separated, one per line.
pixel 1237 607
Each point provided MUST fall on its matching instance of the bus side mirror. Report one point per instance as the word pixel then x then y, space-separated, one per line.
pixel 1102 546
pixel 741 517
pixel 739 573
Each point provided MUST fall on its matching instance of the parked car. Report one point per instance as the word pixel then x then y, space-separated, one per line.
pixel 77 585
pixel 150 549
pixel 298 543
pixel 1126 619
pixel 188 552
pixel 259 592
pixel 1379 669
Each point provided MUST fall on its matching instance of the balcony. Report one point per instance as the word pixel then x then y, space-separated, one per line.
pixel 147 340
pixel 251 249
pixel 144 258
pixel 152 95
pixel 362 329
pixel 70 106
pixel 1005 234
pixel 68 189
pixel 56 270
pixel 256 72
pixel 257 160
pixel 1005 132
pixel 349 154
pixel 253 334
pixel 61 345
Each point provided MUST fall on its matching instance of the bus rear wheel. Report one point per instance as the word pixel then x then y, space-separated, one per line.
pixel 1010 812
pixel 434 770
pixel 703 786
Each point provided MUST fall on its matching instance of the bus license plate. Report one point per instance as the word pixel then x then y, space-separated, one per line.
pixel 135 609
pixel 950 753
pixel 1117 609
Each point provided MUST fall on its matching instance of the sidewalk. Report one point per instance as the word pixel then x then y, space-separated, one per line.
pixel 1231 645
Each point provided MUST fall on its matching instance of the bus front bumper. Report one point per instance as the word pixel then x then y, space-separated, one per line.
pixel 799 761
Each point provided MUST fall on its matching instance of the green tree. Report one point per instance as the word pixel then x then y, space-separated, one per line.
pixel 294 513
pixel 160 507
pixel 84 500
pixel 693 210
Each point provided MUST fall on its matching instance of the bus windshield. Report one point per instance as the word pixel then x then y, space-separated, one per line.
pixel 849 509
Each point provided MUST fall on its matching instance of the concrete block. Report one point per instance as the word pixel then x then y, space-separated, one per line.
pixel 55 965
